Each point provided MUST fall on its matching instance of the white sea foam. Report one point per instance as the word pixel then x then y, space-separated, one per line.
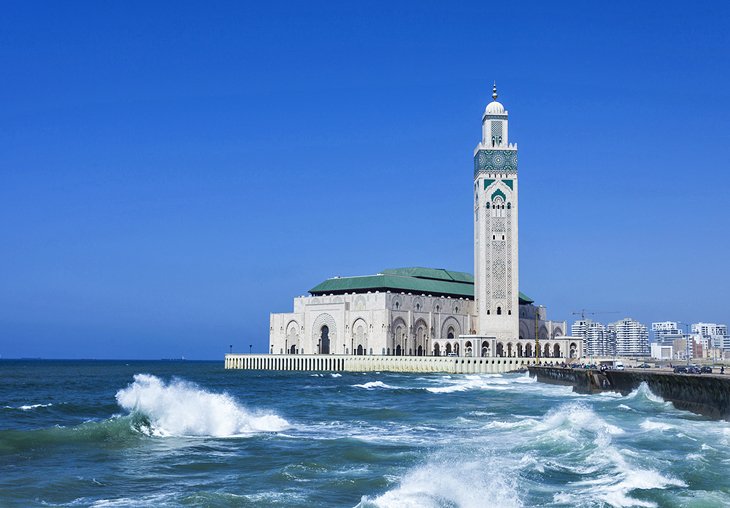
pixel 450 483
pixel 180 408
pixel 654 425
pixel 573 417
pixel 335 374
pixel 497 424
pixel 644 392
pixel 29 407
pixel 372 385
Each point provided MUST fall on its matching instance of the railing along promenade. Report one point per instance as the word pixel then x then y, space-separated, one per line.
pixel 373 363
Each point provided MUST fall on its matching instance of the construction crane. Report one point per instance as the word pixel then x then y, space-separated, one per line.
pixel 583 313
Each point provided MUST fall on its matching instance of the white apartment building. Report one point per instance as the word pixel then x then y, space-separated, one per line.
pixel 712 336
pixel 632 337
pixel 597 340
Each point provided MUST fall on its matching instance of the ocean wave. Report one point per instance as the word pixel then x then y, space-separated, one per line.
pixel 643 392
pixel 180 408
pixel 112 431
pixel 28 407
pixel 442 482
pixel 654 425
pixel 372 385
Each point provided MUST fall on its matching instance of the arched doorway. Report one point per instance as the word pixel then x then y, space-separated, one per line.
pixel 436 350
pixel 293 349
pixel 485 348
pixel 448 348
pixel 468 348
pixel 419 351
pixel 520 350
pixel 573 350
pixel 556 351
pixel 398 350
pixel 456 348
pixel 528 351
pixel 359 349
pixel 546 351
pixel 500 349
pixel 509 350
pixel 324 340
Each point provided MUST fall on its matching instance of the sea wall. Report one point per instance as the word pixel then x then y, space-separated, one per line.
pixel 704 394
pixel 373 363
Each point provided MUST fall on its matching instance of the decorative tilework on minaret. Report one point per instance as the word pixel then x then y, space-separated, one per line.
pixel 496 290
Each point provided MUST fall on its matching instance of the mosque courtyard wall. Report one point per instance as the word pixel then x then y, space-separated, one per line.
pixel 355 363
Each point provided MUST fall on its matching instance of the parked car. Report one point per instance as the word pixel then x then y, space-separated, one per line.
pixel 680 369
pixel 706 370
pixel 693 369
pixel 644 366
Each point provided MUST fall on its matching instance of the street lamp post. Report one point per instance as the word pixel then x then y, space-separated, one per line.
pixel 230 349
pixel 250 347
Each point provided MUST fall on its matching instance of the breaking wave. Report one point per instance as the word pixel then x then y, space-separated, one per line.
pixel 181 408
pixel 451 483
pixel 28 407
pixel 372 385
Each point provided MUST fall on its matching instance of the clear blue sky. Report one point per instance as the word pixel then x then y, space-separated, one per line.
pixel 170 173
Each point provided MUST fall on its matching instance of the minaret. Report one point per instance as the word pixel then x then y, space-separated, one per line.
pixel 496 289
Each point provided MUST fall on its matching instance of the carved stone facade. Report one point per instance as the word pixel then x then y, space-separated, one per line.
pixel 379 323
pixel 404 324
pixel 496 281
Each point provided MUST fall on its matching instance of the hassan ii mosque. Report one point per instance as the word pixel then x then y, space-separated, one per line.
pixel 417 311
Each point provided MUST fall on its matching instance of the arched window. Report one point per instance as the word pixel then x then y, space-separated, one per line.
pixel 499 311
pixel 397 304
pixel 418 306
pixel 456 310
pixel 438 308
pixel 487 206
pixel 509 206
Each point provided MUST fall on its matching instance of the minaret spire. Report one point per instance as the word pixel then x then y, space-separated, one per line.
pixel 494 91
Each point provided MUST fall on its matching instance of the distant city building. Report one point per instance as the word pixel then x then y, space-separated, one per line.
pixel 632 337
pixel 709 329
pixel 597 340
pixel 662 352
pixel 665 332
pixel 712 338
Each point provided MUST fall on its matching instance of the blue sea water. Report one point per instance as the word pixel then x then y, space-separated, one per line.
pixel 97 433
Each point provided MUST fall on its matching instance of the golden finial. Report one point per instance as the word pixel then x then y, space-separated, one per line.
pixel 494 91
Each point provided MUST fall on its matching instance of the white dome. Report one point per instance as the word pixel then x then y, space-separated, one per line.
pixel 495 108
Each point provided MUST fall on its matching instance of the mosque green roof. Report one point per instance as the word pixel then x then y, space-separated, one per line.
pixel 428 281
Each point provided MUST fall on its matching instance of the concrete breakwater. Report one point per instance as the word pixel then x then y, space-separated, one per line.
pixel 704 394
